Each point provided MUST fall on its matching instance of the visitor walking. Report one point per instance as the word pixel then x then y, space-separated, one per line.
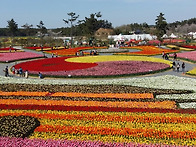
pixel 26 74
pixel 178 67
pixel 40 75
pixel 20 71
pixel 175 56
pixel 6 71
pixel 163 54
pixel 174 65
pixel 183 67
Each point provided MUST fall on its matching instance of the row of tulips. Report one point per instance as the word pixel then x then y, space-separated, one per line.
pixel 119 117
pixel 94 108
pixel 88 95
pixel 4 141
pixel 138 132
pixel 147 50
pixel 189 46
pixel 110 104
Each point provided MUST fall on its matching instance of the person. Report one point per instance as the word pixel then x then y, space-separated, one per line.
pixel 13 70
pixel 166 56
pixel 40 75
pixel 6 71
pixel 175 56
pixel 174 65
pixel 183 67
pixel 20 71
pixel 163 54
pixel 178 67
pixel 26 74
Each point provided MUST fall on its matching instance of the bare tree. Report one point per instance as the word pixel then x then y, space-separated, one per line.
pixel 70 21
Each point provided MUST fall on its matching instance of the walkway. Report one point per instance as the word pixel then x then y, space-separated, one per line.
pixel 188 66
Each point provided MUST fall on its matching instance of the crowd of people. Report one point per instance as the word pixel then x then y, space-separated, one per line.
pixel 175 65
pixel 20 72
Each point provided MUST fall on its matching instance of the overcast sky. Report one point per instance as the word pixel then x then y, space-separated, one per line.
pixel 118 12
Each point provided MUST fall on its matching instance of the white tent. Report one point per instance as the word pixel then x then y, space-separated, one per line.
pixel 173 36
pixel 120 37
pixel 192 34
pixel 165 36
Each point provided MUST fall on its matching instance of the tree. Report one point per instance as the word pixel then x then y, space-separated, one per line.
pixel 161 26
pixel 27 27
pixel 91 24
pixel 42 28
pixel 12 26
pixel 70 21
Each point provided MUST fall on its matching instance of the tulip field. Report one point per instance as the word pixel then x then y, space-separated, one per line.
pixel 125 111
pixel 110 112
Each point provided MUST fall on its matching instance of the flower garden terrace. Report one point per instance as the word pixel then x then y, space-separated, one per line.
pixel 112 112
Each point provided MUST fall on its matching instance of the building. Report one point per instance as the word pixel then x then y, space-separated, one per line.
pixel 102 33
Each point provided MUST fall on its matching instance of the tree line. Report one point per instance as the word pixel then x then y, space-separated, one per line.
pixel 89 25
pixel 85 27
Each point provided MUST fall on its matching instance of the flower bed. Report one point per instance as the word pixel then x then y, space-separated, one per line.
pixel 149 122
pixel 10 57
pixel 147 50
pixel 192 72
pixel 190 56
pixel 94 65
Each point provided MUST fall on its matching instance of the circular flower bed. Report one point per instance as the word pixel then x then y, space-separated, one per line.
pixel 96 66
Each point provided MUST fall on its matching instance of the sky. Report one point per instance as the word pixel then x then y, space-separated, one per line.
pixel 118 12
